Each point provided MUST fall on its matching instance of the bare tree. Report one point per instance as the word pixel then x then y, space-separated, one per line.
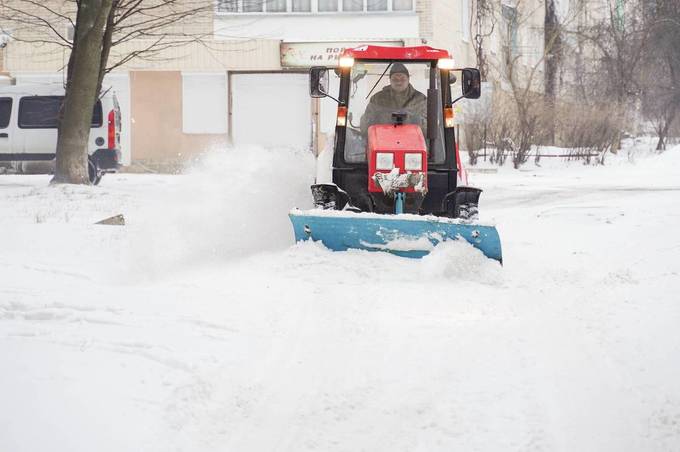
pixel 484 25
pixel 530 35
pixel 618 40
pixel 660 73
pixel 520 68
pixel 552 42
pixel 98 27
pixel 81 92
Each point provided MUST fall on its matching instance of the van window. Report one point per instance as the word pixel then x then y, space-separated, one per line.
pixel 5 111
pixel 41 112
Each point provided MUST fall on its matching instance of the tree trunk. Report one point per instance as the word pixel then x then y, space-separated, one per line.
pixel 661 144
pixel 107 43
pixel 553 56
pixel 663 131
pixel 81 92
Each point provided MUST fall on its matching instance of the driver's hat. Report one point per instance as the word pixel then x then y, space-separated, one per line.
pixel 398 68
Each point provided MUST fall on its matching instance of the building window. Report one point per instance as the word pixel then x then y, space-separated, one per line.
pixel 352 5
pixel 328 5
pixel 402 5
pixel 227 6
pixel 511 28
pixel 252 6
pixel 302 6
pixel 276 6
pixel 376 5
pixel 312 6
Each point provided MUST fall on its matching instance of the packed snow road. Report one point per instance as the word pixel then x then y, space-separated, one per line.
pixel 199 326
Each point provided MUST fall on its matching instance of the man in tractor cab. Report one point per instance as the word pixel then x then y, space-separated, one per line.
pixel 399 95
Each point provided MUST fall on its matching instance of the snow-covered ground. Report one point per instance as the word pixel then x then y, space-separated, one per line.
pixel 200 326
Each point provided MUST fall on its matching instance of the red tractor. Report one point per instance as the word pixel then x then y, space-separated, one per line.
pixel 394 180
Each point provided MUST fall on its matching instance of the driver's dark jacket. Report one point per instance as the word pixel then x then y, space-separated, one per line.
pixel 386 101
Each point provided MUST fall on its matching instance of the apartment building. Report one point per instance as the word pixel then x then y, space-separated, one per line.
pixel 245 80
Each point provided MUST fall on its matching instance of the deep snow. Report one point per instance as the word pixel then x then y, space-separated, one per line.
pixel 200 326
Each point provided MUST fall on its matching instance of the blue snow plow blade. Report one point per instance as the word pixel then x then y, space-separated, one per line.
pixel 404 235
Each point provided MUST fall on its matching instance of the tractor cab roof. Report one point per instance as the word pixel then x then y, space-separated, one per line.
pixel 420 53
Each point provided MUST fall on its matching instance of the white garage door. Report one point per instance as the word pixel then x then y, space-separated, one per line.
pixel 271 110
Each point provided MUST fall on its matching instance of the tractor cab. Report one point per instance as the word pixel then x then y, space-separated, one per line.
pixel 395 148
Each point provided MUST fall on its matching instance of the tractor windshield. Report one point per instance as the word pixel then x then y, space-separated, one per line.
pixel 377 90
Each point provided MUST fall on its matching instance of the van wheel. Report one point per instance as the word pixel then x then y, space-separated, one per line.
pixel 93 173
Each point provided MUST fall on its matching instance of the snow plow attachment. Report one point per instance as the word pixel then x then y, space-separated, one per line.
pixel 405 235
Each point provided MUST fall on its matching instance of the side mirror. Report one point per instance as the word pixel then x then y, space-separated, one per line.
pixel 472 83
pixel 453 78
pixel 318 81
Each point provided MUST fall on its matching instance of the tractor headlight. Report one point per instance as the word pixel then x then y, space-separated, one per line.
pixel 384 161
pixel 446 63
pixel 346 61
pixel 413 162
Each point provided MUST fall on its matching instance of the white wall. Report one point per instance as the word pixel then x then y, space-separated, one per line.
pixel 318 27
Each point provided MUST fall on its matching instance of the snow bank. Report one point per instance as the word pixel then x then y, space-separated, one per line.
pixel 449 261
pixel 567 347
pixel 459 260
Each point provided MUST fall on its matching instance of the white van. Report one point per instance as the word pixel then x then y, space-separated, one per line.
pixel 28 127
